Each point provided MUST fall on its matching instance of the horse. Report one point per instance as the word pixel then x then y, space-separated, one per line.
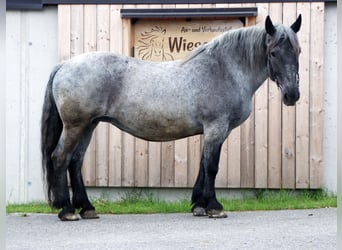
pixel 209 92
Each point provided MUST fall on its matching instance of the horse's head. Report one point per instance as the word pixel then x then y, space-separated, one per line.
pixel 157 46
pixel 152 43
pixel 282 55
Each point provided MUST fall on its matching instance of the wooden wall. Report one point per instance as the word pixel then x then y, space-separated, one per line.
pixel 277 147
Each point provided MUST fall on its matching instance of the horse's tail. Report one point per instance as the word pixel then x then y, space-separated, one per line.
pixel 51 129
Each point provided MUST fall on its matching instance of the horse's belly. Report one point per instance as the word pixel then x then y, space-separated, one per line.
pixel 161 129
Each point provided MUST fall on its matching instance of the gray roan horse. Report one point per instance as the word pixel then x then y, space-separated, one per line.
pixel 208 93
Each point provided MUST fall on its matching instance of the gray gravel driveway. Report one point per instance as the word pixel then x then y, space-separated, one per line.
pixel 286 229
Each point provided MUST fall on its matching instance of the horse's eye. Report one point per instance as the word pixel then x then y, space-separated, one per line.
pixel 273 54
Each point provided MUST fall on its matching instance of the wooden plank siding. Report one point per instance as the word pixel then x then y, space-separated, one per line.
pixel 277 147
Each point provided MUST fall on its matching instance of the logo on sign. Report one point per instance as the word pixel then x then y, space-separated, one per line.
pixel 151 45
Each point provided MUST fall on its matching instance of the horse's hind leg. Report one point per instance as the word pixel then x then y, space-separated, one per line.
pixel 61 158
pixel 80 197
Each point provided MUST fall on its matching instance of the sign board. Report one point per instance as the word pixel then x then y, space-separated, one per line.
pixel 166 40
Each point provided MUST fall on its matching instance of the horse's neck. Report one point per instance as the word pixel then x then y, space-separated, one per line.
pixel 252 58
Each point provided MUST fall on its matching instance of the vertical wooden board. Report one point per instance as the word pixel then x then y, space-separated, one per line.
pixel 154 164
pixel 234 175
pixel 64 23
pixel 115 157
pixel 247 153
pixel 194 158
pixel 288 120
pixel 302 106
pixel 261 118
pixel 168 166
pixel 90 28
pixel 102 130
pixel 316 94
pixel 127 41
pixel 76 31
pixel 102 154
pixel 181 163
pixel 128 140
pixel 141 163
pixel 128 160
pixel 115 134
pixel 103 27
pixel 115 29
pixel 274 114
pixel 247 142
pixel 261 138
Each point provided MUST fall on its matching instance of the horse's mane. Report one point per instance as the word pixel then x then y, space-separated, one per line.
pixel 249 43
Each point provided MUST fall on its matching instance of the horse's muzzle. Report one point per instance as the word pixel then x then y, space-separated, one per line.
pixel 291 97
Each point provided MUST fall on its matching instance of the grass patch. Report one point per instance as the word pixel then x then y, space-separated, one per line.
pixel 136 202
pixel 282 199
pixel 27 208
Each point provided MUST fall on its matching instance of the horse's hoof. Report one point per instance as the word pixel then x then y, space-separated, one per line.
pixel 199 211
pixel 68 217
pixel 89 214
pixel 216 214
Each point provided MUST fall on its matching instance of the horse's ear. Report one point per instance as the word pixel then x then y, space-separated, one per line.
pixel 269 26
pixel 296 25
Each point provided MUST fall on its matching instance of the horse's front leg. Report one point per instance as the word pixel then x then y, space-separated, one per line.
pixel 204 196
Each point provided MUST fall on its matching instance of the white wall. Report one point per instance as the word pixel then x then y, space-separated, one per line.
pixel 31 46
pixel 330 99
pixel 31 54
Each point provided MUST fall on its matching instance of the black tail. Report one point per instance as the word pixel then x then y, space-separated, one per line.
pixel 51 129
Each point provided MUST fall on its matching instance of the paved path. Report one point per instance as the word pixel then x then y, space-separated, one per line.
pixel 290 229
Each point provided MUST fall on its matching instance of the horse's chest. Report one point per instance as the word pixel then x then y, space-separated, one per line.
pixel 239 113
